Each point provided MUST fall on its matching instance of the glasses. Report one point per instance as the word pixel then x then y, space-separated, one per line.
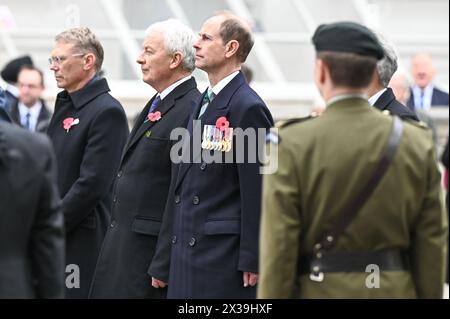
pixel 59 59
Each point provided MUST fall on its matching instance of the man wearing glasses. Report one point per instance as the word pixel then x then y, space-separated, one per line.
pixel 88 130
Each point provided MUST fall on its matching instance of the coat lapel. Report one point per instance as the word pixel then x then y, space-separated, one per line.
pixel 43 118
pixel 164 106
pixel 15 114
pixel 140 129
pixel 384 100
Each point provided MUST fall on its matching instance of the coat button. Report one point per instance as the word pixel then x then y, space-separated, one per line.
pixel 192 242
pixel 119 174
pixel 203 166
pixel 177 199
pixel 115 199
pixel 196 200
pixel 113 223
pixel 174 239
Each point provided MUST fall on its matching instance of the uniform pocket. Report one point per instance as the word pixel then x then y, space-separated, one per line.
pixel 223 227
pixel 145 226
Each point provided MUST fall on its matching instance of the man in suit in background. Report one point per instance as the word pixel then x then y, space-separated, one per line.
pixel 31 221
pixel 9 74
pixel 400 87
pixel 380 95
pixel 88 129
pixel 30 110
pixel 145 172
pixel 217 205
pixel 424 94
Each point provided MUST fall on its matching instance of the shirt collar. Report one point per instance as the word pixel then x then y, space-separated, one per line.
pixel 90 91
pixel 172 87
pixel 376 96
pixel 223 83
pixel 340 97
pixel 33 110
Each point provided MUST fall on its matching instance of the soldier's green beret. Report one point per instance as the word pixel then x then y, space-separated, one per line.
pixel 347 37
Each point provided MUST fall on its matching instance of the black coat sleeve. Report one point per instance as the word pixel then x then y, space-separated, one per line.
pixel 250 180
pixel 47 237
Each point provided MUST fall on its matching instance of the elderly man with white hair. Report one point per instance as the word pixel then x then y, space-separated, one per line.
pixel 381 96
pixel 141 187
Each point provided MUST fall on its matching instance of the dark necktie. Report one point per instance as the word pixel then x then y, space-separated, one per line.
pixel 422 95
pixel 154 104
pixel 209 96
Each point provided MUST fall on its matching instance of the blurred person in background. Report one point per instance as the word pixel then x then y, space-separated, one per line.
pixel 424 93
pixel 30 110
pixel 9 74
pixel 400 86
pixel 4 116
pixel 380 95
pixel 248 73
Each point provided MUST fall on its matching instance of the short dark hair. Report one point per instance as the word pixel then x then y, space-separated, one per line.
pixel 33 68
pixel 232 29
pixel 349 69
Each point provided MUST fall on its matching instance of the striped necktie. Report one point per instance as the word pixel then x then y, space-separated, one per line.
pixel 209 96
pixel 154 103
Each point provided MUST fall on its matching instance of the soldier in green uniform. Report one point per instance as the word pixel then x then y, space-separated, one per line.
pixel 354 209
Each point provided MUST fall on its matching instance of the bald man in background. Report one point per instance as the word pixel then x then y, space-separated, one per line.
pixel 424 94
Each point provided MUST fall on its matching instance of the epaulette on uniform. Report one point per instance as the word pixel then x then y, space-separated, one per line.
pixel 420 124
pixel 274 138
pixel 286 123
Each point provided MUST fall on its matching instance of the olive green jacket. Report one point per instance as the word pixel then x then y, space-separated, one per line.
pixel 322 164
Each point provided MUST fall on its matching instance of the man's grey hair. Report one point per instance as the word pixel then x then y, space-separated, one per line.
pixel 84 41
pixel 387 66
pixel 177 38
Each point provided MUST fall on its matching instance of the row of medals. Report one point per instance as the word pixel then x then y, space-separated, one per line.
pixel 216 139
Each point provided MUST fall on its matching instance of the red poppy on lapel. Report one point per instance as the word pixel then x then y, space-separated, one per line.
pixel 155 116
pixel 69 122
pixel 222 123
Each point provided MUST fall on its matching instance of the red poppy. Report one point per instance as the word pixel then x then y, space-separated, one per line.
pixel 222 123
pixel 155 116
pixel 69 122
